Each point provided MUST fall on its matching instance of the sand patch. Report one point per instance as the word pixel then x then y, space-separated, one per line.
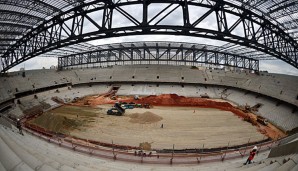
pixel 144 118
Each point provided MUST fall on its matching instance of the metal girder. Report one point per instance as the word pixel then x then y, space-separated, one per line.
pixel 13 26
pixel 71 2
pixel 171 53
pixel 257 33
pixel 5 45
pixel 17 17
pixel 7 32
pixel 7 39
pixel 291 24
pixel 284 8
pixel 33 5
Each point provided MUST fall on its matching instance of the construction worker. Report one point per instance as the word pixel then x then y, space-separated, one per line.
pixel 19 126
pixel 251 155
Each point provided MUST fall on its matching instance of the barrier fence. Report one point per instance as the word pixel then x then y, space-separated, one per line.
pixel 137 155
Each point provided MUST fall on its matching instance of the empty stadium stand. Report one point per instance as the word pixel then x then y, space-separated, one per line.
pixel 19 93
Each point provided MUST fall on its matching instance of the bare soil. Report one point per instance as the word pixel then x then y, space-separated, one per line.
pixel 187 122
pixel 144 118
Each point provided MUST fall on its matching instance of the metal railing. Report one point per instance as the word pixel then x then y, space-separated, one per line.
pixel 132 154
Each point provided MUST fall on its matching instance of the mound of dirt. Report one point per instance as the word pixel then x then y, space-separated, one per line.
pixel 145 146
pixel 144 118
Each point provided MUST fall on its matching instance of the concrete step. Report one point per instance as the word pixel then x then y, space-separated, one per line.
pixel 242 167
pixel 270 167
pixel 24 155
pixel 269 161
pixel 22 167
pixel 46 156
pixel 255 167
pixel 2 167
pixel 295 158
pixel 45 167
pixel 287 166
pixel 5 123
pixel 10 160
pixel 295 168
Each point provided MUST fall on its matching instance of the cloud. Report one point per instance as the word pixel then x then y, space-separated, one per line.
pixel 278 66
pixel 36 63
pixel 173 38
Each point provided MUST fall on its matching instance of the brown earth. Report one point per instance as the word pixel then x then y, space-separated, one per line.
pixel 175 100
pixel 144 118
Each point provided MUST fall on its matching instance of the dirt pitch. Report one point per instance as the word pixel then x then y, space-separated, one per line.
pixel 186 127
pixel 187 122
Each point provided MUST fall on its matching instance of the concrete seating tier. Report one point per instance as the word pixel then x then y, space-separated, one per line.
pixel 159 79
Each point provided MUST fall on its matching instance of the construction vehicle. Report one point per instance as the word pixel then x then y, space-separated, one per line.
pixel 262 120
pixel 129 106
pixel 117 110
pixel 146 105
pixel 138 106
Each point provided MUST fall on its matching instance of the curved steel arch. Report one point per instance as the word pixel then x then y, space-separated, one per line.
pixel 258 32
pixel 170 53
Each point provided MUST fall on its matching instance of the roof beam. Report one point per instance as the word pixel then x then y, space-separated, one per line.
pixel 34 5
pixel 14 25
pixel 17 17
pixel 8 39
pixel 10 33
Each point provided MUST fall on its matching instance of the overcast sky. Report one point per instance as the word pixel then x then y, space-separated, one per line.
pixel 174 18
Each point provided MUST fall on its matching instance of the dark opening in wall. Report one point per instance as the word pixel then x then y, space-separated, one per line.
pixel 35 96
pixel 17 90
pixel 132 85
pixel 182 78
pixel 133 77
pixel 297 97
pixel 115 88
pixel 278 103
pixel 182 86
pixel 157 77
pixel 111 77
pixel 205 79
pixel 157 85
pixel 258 105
